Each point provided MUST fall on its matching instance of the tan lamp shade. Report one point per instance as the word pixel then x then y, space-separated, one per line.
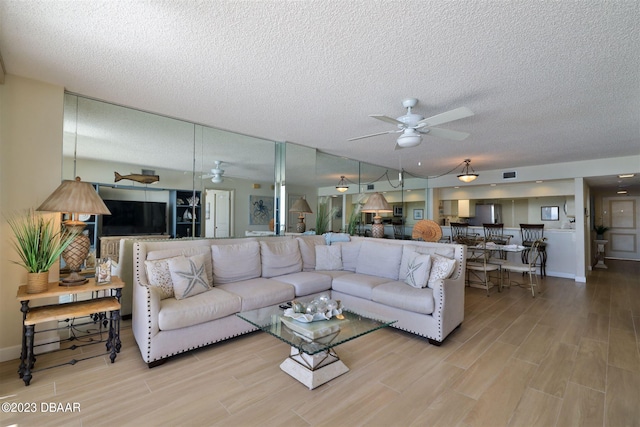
pixel 75 197
pixel 377 203
pixel 302 207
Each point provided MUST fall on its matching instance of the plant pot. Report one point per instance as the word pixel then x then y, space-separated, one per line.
pixel 37 282
pixel 599 236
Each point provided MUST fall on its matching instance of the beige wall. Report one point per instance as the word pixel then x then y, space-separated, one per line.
pixel 30 169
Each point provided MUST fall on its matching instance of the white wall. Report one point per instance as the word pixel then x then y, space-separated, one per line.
pixel 30 169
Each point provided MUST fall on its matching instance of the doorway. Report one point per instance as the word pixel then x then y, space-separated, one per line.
pixel 622 216
pixel 219 213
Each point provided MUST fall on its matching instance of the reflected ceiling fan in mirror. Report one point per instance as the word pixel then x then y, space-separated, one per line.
pixel 216 173
pixel 412 126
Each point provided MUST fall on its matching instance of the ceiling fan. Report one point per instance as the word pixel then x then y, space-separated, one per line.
pixel 216 173
pixel 412 126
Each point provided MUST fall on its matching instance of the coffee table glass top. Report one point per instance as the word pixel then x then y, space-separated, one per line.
pixel 314 337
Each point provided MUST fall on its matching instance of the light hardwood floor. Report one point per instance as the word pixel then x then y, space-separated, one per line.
pixel 569 357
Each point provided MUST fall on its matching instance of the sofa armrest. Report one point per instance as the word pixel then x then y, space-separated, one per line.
pixel 448 295
pixel 144 316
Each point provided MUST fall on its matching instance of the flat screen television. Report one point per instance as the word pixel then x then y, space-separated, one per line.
pixel 130 218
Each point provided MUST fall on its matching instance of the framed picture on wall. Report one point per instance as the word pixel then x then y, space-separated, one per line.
pixel 550 213
pixel 418 214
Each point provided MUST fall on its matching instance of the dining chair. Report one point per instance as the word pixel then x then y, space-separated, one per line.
pixel 530 267
pixel 531 233
pixel 495 233
pixel 460 232
pixel 479 267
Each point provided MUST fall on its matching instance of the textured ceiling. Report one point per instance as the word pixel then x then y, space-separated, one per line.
pixel 549 81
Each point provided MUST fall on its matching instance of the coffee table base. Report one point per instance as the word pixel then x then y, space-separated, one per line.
pixel 313 370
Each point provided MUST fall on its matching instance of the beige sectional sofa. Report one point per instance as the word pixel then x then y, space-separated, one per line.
pixel 384 278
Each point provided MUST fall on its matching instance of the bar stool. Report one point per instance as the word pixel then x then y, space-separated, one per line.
pixel 531 233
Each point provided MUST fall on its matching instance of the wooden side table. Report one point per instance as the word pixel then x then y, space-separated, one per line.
pixel 109 302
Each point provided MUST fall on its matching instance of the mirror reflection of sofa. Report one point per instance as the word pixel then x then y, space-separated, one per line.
pixel 385 278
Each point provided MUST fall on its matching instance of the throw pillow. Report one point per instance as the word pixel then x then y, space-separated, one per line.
pixel 328 258
pixel 189 275
pixel 441 268
pixel 236 262
pixel 418 270
pixel 158 275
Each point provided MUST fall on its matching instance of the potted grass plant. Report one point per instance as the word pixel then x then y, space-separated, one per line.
pixel 39 244
pixel 324 215
pixel 600 230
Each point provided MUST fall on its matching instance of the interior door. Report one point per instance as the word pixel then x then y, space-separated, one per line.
pixel 218 214
pixel 622 217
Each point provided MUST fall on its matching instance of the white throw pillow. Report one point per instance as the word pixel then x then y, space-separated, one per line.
pixel 328 258
pixel 189 275
pixel 441 268
pixel 418 270
pixel 158 275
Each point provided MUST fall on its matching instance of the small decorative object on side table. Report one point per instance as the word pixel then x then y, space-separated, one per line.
pixel 103 271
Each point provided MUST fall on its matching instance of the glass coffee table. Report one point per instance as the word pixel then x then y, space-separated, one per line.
pixel 313 360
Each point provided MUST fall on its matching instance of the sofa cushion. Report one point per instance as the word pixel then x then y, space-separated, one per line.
pixel 201 308
pixel 418 270
pixel 280 257
pixel 185 251
pixel 441 268
pixel 306 282
pixel 235 262
pixel 379 259
pixel 358 285
pixel 350 253
pixel 260 292
pixel 158 275
pixel 188 275
pixel 409 250
pixel 328 258
pixel 398 294
pixel 307 245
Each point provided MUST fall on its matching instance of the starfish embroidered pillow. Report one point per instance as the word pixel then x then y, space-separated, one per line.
pixel 418 270
pixel 188 275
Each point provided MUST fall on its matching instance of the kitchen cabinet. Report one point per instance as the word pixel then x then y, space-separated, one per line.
pixel 466 208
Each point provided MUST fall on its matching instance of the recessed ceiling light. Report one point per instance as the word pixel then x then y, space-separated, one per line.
pixel 419 163
pixel 622 192
pixel 493 185
pixel 627 175
pixel 539 182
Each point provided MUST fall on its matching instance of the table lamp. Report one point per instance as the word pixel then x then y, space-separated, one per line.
pixel 377 203
pixel 75 197
pixel 302 207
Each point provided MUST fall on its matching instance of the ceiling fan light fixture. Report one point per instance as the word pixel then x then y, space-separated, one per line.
pixel 342 185
pixel 409 139
pixel 467 176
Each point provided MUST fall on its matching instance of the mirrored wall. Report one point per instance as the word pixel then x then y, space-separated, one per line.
pixel 217 183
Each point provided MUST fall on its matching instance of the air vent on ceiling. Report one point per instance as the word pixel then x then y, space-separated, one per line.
pixel 369 186
pixel 509 175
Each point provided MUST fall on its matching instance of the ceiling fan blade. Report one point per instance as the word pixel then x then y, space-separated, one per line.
pixel 373 134
pixel 448 134
pixel 387 119
pixel 447 116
